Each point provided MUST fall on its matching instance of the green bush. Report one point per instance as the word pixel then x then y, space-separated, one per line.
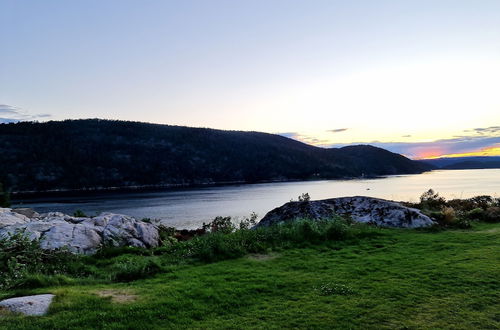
pixel 492 214
pixel 477 214
pixel 79 214
pixel 20 256
pixel 431 200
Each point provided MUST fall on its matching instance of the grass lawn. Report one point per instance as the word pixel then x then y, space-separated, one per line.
pixel 399 279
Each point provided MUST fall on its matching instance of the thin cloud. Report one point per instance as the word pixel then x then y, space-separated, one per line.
pixel 338 130
pixel 11 114
pixel 456 145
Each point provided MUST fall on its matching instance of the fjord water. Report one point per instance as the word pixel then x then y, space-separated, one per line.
pixel 189 208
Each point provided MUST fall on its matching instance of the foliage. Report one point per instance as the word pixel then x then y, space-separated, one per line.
pixel 21 256
pixel 400 279
pixel 130 269
pixel 220 225
pixel 304 197
pixel 4 197
pixel 431 200
pixel 93 153
pixel 249 222
pixel 79 214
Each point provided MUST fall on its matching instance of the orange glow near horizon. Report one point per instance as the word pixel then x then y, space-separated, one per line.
pixel 488 151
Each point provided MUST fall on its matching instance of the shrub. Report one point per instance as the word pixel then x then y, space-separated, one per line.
pixel 304 197
pixel 449 215
pixel 249 222
pixel 476 214
pixel 337 230
pixel 431 200
pixel 220 225
pixel 20 256
pixel 79 214
pixel 166 235
pixel 492 214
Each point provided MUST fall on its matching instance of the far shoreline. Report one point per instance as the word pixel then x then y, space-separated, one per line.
pixel 49 195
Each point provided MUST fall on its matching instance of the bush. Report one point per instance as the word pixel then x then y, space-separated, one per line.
pixel 337 230
pixel 79 214
pixel 431 200
pixel 492 214
pixel 220 225
pixel 477 214
pixel 304 197
pixel 21 256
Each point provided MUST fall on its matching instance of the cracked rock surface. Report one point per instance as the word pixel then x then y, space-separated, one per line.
pixel 80 235
pixel 380 212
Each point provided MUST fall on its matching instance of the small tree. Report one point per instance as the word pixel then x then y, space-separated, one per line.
pixel 4 197
pixel 304 197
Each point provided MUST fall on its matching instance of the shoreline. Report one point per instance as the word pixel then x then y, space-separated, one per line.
pixel 24 196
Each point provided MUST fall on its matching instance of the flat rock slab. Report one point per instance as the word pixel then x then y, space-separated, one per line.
pixel 29 305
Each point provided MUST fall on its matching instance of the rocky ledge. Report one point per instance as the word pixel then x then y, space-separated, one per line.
pixel 375 211
pixel 79 235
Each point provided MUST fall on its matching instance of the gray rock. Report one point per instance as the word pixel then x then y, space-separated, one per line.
pixel 126 231
pixel 376 211
pixel 9 218
pixel 29 305
pixel 30 213
pixel 76 238
pixel 81 235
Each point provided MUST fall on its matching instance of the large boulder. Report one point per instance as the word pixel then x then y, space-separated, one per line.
pixel 9 218
pixel 370 210
pixel 81 235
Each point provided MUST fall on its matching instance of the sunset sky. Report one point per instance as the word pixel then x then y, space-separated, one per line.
pixel 421 78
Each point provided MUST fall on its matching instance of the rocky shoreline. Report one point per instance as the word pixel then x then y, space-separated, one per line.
pixel 86 235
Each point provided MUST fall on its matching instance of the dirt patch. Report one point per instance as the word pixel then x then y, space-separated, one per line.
pixel 262 257
pixel 118 296
pixel 489 231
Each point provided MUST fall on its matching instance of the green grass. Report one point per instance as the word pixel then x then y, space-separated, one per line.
pixel 398 279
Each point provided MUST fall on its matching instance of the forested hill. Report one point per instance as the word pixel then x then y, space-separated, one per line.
pixel 93 153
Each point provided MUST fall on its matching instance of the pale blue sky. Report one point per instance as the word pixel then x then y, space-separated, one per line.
pixel 388 71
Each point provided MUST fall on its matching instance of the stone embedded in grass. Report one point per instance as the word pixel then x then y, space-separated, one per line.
pixel 30 305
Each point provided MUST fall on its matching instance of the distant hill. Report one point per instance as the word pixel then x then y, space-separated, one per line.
pixel 461 163
pixel 94 153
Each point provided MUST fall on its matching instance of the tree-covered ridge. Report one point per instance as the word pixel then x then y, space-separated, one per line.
pixel 93 153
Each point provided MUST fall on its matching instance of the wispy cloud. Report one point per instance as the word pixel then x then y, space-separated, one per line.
pixel 457 145
pixel 338 130
pixel 11 114
pixel 481 140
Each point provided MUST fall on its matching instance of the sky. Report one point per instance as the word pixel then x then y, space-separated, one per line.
pixel 421 78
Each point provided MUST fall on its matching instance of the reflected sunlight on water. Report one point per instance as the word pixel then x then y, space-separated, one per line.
pixel 188 208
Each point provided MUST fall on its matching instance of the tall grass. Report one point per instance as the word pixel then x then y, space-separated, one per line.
pixel 128 264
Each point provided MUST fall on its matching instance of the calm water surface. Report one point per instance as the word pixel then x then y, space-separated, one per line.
pixel 189 208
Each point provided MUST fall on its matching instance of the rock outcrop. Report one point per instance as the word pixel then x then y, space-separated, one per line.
pixel 9 218
pixel 80 235
pixel 30 305
pixel 375 211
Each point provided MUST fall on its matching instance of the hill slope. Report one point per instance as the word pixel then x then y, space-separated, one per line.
pixel 462 163
pixel 76 154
